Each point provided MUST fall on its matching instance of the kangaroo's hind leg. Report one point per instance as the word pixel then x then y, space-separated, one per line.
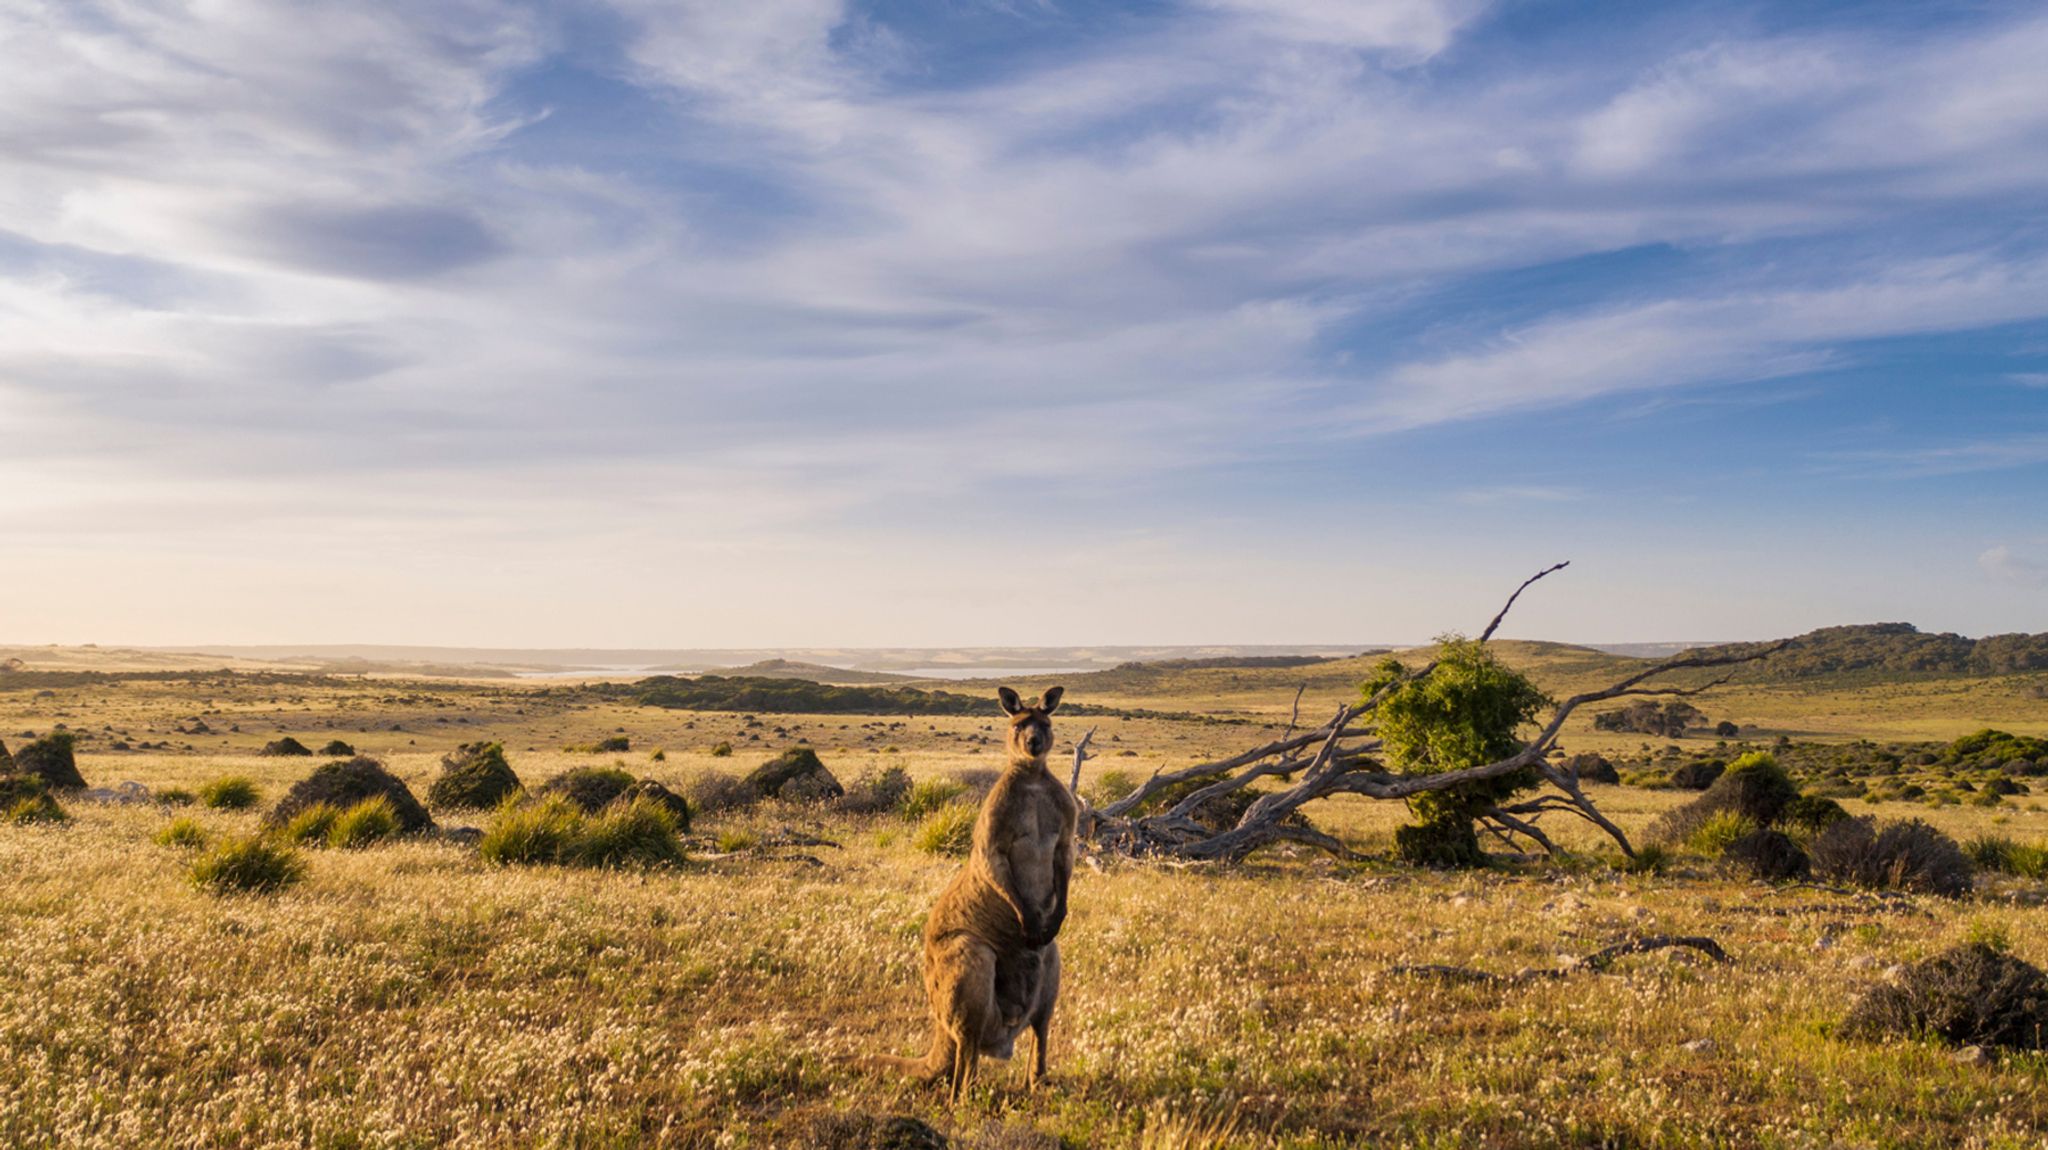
pixel 969 1007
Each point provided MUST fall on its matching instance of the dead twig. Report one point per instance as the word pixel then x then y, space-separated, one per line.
pixel 1597 961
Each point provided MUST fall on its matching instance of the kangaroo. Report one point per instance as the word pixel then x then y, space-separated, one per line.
pixel 991 966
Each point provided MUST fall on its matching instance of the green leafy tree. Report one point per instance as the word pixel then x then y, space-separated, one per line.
pixel 1466 713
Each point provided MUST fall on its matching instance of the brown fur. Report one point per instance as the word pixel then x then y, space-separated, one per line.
pixel 991 965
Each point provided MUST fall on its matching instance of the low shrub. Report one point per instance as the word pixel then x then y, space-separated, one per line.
pixel 342 785
pixel 876 792
pixel 335 748
pixel 928 795
pixel 1813 813
pixel 721 751
pixel 647 790
pixel 1908 855
pixel 1769 855
pixel 613 745
pixel 1112 785
pixel 1972 994
pixel 52 759
pixel 286 746
pixel 948 830
pixel 367 822
pixel 475 776
pixel 1445 844
pixel 1697 775
pixel 176 797
pixel 591 788
pixel 181 832
pixel 721 791
pixel 233 793
pixel 1754 785
pixel 247 866
pixel 311 826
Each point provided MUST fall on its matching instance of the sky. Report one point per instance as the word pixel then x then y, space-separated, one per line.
pixel 947 322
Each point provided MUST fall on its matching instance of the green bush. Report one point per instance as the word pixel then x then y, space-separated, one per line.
pixel 247 865
pixel 1813 813
pixel 949 830
pixel 928 795
pixel 233 793
pixel 312 825
pixel 1112 785
pixel 181 832
pixel 369 821
pixel 1719 830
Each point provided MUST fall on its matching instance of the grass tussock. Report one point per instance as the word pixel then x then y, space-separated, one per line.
pixel 247 866
pixel 553 830
pixel 182 832
pixel 2003 854
pixel 948 830
pixel 365 824
pixel 232 793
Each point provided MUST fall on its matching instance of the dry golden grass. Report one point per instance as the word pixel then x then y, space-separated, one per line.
pixel 412 995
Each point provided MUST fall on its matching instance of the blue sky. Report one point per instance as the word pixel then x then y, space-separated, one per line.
pixel 1019 321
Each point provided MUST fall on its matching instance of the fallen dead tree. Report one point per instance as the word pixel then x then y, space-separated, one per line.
pixel 1342 757
pixel 1597 961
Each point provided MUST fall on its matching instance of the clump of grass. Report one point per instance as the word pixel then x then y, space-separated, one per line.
pixel 721 751
pixel 176 797
pixel 949 830
pixel 737 839
pixel 247 866
pixel 233 793
pixel 367 822
pixel 660 755
pixel 2002 853
pixel 1651 858
pixel 929 795
pixel 181 832
pixel 26 798
pixel 554 830
pixel 311 826
pixel 530 832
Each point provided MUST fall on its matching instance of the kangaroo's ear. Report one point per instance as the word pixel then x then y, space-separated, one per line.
pixel 1052 699
pixel 1011 703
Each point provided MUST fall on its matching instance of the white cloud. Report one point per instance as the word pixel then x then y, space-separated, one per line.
pixel 2006 566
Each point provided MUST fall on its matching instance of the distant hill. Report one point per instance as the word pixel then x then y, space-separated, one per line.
pixel 814 672
pixel 1883 649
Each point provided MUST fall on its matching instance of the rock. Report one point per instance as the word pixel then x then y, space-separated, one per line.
pixel 1971 1056
pixel 344 784
pixel 797 775
pixel 1698 1046
pixel 125 794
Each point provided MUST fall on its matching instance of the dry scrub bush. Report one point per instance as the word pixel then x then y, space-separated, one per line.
pixel 721 791
pixel 875 792
pixel 1908 855
pixel 591 788
pixel 1971 994
pixel 342 785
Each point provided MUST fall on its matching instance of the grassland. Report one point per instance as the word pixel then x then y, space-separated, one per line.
pixel 412 995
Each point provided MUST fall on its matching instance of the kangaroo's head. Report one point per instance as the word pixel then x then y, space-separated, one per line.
pixel 1030 723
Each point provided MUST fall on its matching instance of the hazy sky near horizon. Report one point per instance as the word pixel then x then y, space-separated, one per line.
pixel 946 322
